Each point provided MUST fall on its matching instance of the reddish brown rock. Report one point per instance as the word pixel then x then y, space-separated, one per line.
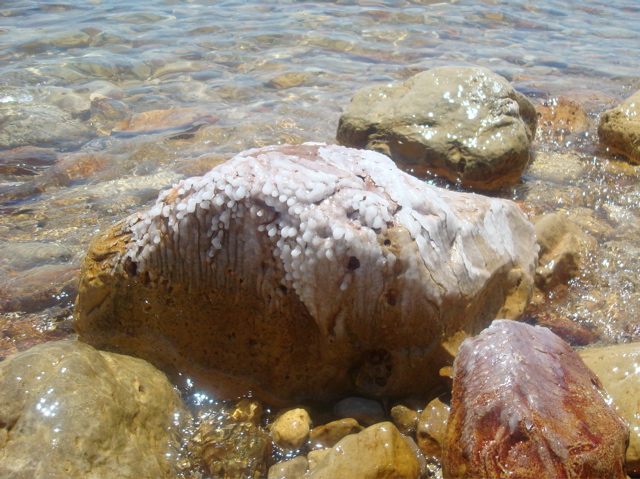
pixel 525 405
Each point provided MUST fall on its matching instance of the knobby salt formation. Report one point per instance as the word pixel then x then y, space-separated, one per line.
pixel 525 405
pixel 306 271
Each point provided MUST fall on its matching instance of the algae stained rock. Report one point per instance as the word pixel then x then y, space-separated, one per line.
pixel 306 271
pixel 464 123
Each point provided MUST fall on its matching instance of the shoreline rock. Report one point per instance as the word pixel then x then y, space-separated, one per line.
pixel 466 124
pixel 306 271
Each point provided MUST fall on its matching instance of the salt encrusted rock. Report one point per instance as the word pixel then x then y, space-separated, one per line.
pixel 620 128
pixel 67 410
pixel 618 367
pixel 525 405
pixel 464 123
pixel 306 271
pixel 378 452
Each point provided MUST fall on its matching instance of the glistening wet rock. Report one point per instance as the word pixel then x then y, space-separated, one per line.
pixel 620 128
pixel 306 271
pixel 618 367
pixel 525 405
pixel 68 410
pixel 464 123
pixel 378 452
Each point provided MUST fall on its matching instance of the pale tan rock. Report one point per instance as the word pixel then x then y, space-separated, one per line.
pixel 314 457
pixel 525 405
pixel 327 435
pixel 68 410
pixel 292 469
pixel 432 429
pixel 618 368
pixel 464 123
pixel 380 451
pixel 291 429
pixel 620 128
pixel 306 271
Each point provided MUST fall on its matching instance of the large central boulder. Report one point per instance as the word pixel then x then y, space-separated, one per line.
pixel 306 271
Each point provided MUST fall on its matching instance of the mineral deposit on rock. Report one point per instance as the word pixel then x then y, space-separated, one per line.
pixel 620 128
pixel 464 123
pixel 306 271
pixel 525 405
pixel 67 410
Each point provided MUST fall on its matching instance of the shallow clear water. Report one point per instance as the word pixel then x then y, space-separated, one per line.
pixel 103 104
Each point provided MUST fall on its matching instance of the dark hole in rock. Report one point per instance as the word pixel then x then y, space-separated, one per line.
pixel 354 263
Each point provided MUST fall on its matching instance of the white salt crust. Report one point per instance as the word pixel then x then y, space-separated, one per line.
pixel 315 214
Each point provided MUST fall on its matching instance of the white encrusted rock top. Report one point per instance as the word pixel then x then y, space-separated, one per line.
pixel 317 204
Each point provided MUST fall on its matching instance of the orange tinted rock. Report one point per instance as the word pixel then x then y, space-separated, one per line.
pixel 525 405
pixel 560 116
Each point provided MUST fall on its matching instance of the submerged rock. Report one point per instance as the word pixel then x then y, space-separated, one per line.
pixel 378 452
pixel 231 444
pixel 67 410
pixel 306 271
pixel 620 128
pixel 525 405
pixel 464 123
pixel 618 367
pixel 41 125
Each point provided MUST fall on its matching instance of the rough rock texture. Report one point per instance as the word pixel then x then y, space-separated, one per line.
pixel 525 405
pixel 618 367
pixel 306 271
pixel 464 123
pixel 67 410
pixel 378 452
pixel 620 128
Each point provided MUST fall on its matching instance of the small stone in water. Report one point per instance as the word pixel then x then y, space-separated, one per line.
pixel 328 435
pixel 291 430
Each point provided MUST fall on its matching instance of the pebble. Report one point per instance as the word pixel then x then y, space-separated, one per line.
pixel 432 427
pixel 291 430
